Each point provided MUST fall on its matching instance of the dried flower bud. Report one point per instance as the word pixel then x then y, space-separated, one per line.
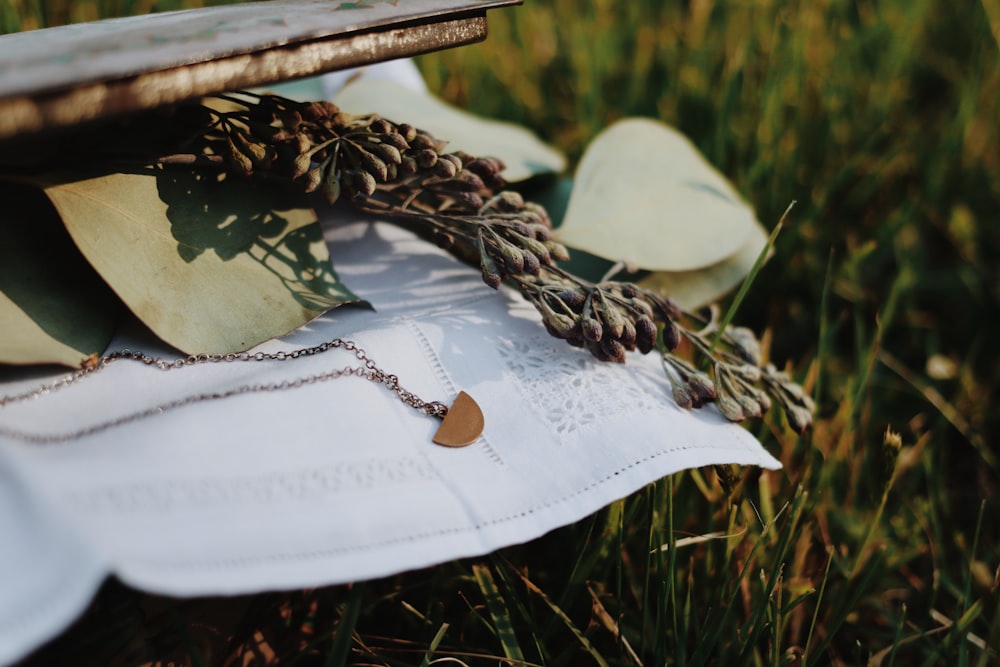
pixel 591 329
pixel 702 387
pixel 426 158
pixel 749 405
pixel 381 126
pixel 301 165
pixel 745 343
pixel 331 189
pixel 407 131
pixel 536 248
pixel 532 265
pixel 614 349
pixel 513 258
pixel 682 396
pixel 573 298
pixel 557 251
pixel 645 334
pixel 490 270
pixel 313 178
pixel 671 335
pixel 467 181
pixel 396 140
pixel 444 168
pixel 507 201
pixel 628 336
pixel 614 321
pixel 748 372
pixel 799 418
pixel 423 141
pixel 239 162
pixel 730 409
pixel 559 325
pixel 364 183
pixel 374 166
pixel 629 291
pixel 408 165
pixel 388 153
pixel 317 111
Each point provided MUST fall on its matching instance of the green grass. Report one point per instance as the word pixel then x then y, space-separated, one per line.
pixel 882 119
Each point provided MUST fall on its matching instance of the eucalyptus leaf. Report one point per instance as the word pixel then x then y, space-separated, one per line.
pixel 644 195
pixel 701 286
pixel 53 307
pixel 210 263
pixel 523 153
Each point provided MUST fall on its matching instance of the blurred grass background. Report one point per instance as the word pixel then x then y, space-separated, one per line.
pixel 882 120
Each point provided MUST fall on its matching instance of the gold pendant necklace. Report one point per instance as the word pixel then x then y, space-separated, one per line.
pixel 461 424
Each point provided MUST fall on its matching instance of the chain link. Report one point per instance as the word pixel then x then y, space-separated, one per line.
pixel 369 370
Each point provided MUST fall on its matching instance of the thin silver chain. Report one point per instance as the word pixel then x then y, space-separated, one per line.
pixel 368 370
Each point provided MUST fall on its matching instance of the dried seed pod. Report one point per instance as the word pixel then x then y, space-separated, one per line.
pixel 396 140
pixel 407 131
pixel 702 386
pixel 751 408
pixel 257 152
pixel 426 158
pixel 465 181
pixel 381 126
pixel 573 298
pixel 331 189
pixel 507 201
pixel 628 336
pixel 614 321
pixel 745 343
pixel 645 334
pixel 301 165
pixel 239 162
pixel 532 265
pixel 313 178
pixel 513 258
pixel 682 396
pixel 591 329
pixel 444 168
pixel 390 154
pixel 557 251
pixel 408 165
pixel 730 408
pixel 671 335
pixel 364 182
pixel 559 325
pixel 614 349
pixel 490 270
pixel 798 417
pixel 747 372
pixel 423 141
pixel 374 166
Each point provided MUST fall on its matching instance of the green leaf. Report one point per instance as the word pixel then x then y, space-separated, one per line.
pixel 53 307
pixel 523 153
pixel 644 195
pixel 210 263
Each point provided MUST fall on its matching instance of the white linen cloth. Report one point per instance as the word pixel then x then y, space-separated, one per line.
pixel 336 481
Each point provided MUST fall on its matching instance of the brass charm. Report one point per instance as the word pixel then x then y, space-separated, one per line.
pixel 462 425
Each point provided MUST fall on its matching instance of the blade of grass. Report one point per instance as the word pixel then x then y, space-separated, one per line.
pixel 567 622
pixel 498 612
pixel 754 270
pixel 343 637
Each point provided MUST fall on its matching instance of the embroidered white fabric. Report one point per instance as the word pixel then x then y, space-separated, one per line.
pixel 337 481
